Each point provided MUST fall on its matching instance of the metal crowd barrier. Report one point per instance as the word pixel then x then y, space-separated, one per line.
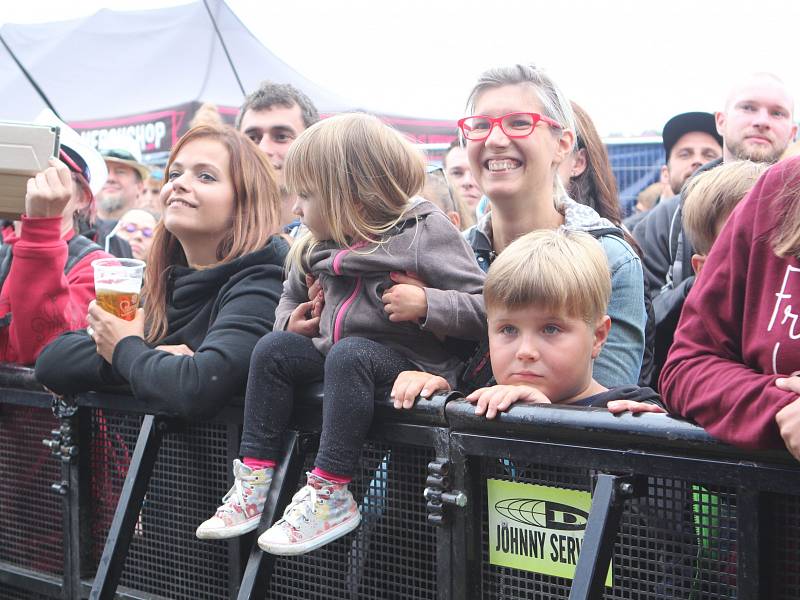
pixel 544 502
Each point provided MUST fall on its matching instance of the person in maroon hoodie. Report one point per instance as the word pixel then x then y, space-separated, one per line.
pixel 45 266
pixel 733 365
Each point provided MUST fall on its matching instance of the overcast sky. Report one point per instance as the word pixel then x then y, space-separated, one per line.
pixel 631 63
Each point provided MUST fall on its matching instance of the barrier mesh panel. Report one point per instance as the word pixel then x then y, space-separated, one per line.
pixel 784 559
pixel 391 556
pixel 30 511
pixel 190 477
pixel 12 593
pixel 635 166
pixel 677 542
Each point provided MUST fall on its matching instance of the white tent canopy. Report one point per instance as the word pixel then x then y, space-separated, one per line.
pixel 120 63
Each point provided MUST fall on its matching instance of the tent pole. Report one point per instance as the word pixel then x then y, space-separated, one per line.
pixel 224 47
pixel 30 79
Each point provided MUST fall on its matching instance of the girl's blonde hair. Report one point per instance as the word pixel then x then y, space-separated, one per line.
pixel 256 217
pixel 361 174
pixel 560 270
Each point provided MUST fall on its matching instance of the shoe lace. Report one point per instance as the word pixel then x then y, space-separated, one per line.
pixel 302 507
pixel 235 495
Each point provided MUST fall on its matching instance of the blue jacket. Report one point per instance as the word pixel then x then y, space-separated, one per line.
pixel 621 359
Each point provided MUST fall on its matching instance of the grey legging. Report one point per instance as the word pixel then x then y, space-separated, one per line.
pixel 353 372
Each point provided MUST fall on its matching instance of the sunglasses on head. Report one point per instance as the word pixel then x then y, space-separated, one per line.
pixel 132 228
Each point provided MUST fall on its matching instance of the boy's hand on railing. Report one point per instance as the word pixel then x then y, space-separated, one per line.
pixel 499 398
pixel 616 407
pixel 788 418
pixel 302 322
pixel 410 384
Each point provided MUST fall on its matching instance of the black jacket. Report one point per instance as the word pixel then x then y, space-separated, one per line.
pixel 667 261
pixel 220 313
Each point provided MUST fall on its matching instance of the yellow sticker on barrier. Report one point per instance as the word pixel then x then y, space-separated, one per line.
pixel 537 528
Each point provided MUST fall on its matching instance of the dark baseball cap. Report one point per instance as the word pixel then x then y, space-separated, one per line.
pixel 684 123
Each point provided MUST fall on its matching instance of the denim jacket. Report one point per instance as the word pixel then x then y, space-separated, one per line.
pixel 620 361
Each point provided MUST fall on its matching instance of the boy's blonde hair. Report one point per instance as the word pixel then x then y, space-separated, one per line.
pixel 361 172
pixel 711 196
pixel 559 270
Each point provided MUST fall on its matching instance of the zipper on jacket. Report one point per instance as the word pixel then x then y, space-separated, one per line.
pixel 337 269
pixel 337 326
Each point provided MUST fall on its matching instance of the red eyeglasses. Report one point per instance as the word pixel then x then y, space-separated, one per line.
pixel 514 125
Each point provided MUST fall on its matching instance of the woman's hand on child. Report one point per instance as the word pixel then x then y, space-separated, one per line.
pixel 410 384
pixel 788 418
pixel 405 300
pixel 499 398
pixel 176 349
pixel 107 330
pixel 315 295
pixel 616 407
pixel 300 321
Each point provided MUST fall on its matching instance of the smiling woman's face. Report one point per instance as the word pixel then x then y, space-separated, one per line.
pixel 198 194
pixel 507 168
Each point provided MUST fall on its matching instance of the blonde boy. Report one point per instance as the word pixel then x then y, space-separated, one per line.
pixel 546 297
pixel 710 197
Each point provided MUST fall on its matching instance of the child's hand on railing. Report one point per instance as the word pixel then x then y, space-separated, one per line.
pixel 616 407
pixel 410 384
pixel 499 398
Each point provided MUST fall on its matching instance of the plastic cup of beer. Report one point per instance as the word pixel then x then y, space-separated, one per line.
pixel 118 285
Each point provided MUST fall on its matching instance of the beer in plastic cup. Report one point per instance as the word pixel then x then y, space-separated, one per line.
pixel 118 284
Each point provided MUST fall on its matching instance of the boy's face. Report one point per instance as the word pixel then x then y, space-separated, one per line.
pixel 550 352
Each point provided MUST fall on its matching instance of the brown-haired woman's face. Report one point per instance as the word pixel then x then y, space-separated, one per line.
pixel 507 167
pixel 198 194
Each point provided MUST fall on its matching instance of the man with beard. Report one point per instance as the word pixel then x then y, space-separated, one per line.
pixel 126 175
pixel 272 117
pixel 690 141
pixel 756 124
pixel 119 194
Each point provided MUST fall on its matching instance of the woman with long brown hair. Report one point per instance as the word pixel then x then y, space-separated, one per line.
pixel 213 280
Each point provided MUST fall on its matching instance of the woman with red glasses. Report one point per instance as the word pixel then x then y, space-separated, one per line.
pixel 137 227
pixel 520 129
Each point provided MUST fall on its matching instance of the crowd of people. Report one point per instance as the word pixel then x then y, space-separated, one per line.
pixel 288 249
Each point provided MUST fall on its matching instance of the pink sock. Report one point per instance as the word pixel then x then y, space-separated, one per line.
pixel 331 477
pixel 258 463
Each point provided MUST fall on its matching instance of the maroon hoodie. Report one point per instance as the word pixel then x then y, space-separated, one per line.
pixel 738 331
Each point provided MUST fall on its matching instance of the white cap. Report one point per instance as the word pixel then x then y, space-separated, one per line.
pixel 122 148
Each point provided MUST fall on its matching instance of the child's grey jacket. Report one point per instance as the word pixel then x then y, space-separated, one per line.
pixel 425 244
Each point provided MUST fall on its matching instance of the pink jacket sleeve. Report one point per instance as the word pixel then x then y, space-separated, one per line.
pixel 44 302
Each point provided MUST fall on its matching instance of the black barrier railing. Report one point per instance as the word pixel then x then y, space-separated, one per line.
pixel 107 508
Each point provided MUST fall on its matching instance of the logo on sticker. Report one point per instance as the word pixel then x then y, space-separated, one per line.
pixel 543 513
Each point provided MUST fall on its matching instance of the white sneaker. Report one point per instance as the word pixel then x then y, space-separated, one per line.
pixel 319 513
pixel 241 507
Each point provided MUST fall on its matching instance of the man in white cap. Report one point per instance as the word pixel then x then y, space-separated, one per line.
pixel 126 175
pixel 46 276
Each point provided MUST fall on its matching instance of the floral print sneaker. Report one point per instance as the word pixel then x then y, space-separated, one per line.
pixel 319 513
pixel 241 507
